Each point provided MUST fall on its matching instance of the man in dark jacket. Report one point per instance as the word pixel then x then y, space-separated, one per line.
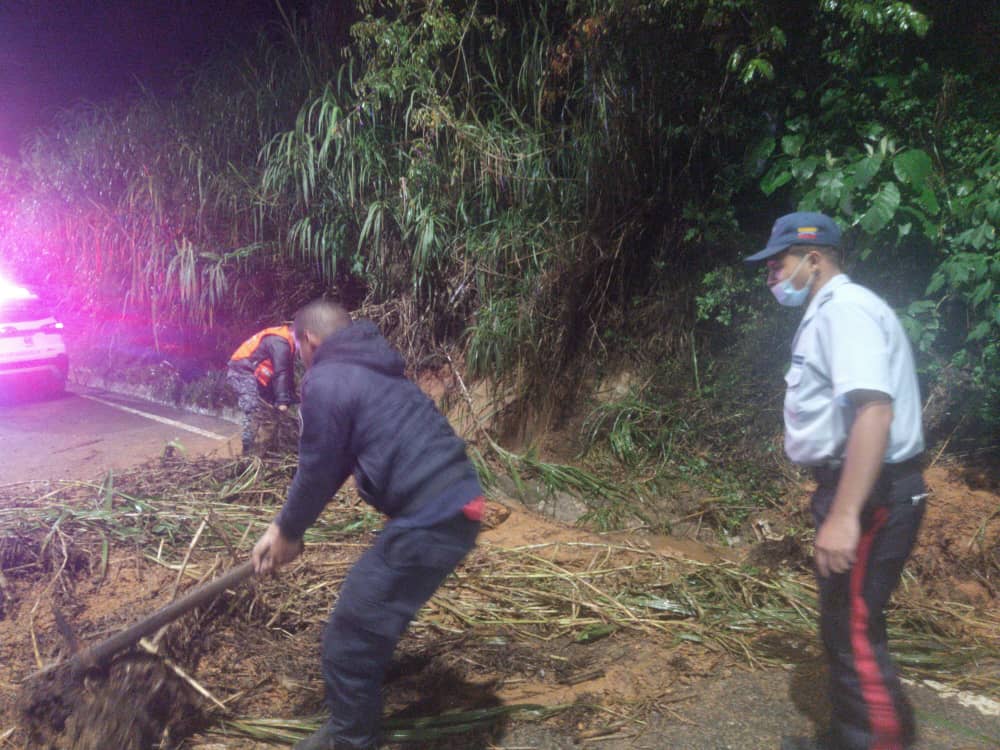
pixel 362 415
pixel 263 367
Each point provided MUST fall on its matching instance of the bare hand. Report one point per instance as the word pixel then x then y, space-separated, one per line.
pixel 282 407
pixel 837 543
pixel 273 550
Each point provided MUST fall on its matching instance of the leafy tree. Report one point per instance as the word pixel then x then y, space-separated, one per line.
pixel 544 183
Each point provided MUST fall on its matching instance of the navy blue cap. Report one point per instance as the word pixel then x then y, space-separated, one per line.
pixel 803 228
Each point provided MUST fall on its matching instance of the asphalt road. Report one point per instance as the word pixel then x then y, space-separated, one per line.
pixel 83 433
pixel 753 711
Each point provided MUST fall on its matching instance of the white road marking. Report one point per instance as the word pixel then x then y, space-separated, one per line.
pixel 157 418
pixel 985 706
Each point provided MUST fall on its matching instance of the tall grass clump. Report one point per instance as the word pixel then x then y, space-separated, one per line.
pixel 144 213
pixel 540 183
pixel 514 173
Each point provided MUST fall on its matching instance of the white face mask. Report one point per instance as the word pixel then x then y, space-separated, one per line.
pixel 787 294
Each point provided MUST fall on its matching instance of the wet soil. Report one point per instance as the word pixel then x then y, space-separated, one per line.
pixel 134 704
pixel 254 651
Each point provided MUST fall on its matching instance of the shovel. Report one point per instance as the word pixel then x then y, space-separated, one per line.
pixel 99 653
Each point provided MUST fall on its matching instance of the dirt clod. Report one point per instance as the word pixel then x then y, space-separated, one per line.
pixel 135 705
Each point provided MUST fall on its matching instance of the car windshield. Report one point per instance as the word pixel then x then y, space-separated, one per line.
pixel 17 310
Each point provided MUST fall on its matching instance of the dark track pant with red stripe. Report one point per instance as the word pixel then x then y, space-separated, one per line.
pixel 869 709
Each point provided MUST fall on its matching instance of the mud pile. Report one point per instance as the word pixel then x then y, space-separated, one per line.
pixel 136 704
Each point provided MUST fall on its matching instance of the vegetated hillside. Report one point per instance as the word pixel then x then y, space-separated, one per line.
pixel 553 195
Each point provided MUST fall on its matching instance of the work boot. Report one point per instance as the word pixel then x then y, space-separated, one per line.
pixel 323 740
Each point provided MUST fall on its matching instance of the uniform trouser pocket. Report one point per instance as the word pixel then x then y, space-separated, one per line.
pixel 869 708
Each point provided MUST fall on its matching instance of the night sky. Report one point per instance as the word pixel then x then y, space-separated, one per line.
pixel 54 53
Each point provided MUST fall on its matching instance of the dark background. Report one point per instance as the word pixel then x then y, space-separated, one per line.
pixel 56 54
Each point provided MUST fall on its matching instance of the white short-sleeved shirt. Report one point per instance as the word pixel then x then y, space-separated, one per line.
pixel 848 340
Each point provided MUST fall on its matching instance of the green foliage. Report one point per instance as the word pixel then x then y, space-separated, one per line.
pixel 929 221
pixel 726 295
pixel 637 430
pixel 516 162
pixel 522 178
pixel 903 150
pixel 680 448
pixel 892 17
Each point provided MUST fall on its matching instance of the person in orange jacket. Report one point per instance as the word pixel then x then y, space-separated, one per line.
pixel 262 368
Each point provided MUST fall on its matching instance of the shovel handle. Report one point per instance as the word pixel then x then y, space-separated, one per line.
pixel 100 652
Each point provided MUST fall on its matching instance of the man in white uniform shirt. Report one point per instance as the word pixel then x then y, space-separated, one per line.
pixel 852 414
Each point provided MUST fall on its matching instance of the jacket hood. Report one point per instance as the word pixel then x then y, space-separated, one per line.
pixel 361 343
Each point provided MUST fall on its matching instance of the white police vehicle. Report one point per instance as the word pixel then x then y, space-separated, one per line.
pixel 31 339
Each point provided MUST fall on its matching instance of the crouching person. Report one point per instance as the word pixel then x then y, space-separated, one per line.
pixel 262 368
pixel 361 414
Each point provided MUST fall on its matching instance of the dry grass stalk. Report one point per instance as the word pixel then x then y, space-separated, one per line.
pixel 532 594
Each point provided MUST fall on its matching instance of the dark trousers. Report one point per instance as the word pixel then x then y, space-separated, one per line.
pixel 391 581
pixel 870 711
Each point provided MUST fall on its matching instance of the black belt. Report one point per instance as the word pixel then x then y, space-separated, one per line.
pixel 829 473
